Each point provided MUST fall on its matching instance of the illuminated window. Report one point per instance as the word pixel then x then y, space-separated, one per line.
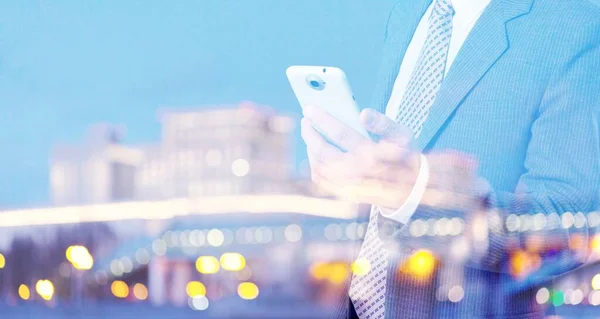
pixel 213 158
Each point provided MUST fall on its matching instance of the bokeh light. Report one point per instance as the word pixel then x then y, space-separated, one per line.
pixel 127 264
pixel 333 232
pixel 119 289
pixel 80 257
pixel 240 167
pixel 542 296
pixel 45 289
pixel 421 264
pixel 232 261
pixel 595 244
pixel 2 261
pixel 293 233
pixel 594 298
pixel 338 272
pixel 207 265
pixel 142 256
pixel 578 242
pixel 140 291
pixel 361 267
pixel 522 263
pixel 159 247
pixel 24 292
pixel 558 298
pixel 199 303
pixel 596 282
pixel 215 237
pixel 576 297
pixel 195 288
pixel 248 290
pixel 567 220
pixel 456 294
pixel 319 270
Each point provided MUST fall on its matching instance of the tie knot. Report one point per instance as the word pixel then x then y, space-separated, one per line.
pixel 443 7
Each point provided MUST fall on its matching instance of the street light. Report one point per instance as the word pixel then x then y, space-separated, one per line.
pixel 45 289
pixel 81 259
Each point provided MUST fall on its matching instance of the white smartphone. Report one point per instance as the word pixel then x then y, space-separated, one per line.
pixel 327 88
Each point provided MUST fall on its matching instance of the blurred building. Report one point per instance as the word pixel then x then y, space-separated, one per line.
pixel 95 171
pixel 220 151
pixel 243 149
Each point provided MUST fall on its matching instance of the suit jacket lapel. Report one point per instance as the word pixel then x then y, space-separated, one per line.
pixel 403 22
pixel 486 43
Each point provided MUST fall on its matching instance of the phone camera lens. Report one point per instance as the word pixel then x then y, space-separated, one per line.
pixel 315 82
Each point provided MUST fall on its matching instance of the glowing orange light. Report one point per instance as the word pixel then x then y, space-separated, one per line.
pixel 338 273
pixel 518 263
pixel 140 291
pixel 577 242
pixel 421 264
pixel 522 263
pixel 319 271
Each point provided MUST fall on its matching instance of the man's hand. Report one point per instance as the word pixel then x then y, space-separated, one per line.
pixel 381 172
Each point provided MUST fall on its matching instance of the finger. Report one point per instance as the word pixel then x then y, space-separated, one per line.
pixel 397 174
pixel 340 172
pixel 319 151
pixel 385 127
pixel 311 137
pixel 374 155
pixel 339 133
pixel 389 152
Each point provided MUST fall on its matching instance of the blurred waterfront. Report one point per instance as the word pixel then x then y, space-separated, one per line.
pixel 212 218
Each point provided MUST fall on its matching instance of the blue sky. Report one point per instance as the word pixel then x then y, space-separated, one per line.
pixel 67 64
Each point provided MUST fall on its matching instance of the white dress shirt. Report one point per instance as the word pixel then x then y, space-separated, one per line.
pixel 467 12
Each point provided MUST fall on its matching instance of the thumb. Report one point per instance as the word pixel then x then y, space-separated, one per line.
pixel 383 126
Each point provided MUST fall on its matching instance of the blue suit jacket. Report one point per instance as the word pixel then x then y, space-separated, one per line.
pixel 523 96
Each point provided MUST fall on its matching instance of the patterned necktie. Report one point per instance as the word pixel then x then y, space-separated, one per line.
pixel 367 291
pixel 428 74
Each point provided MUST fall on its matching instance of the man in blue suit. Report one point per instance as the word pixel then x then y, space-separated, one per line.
pixel 485 161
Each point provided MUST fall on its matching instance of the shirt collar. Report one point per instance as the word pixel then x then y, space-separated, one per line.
pixel 468 9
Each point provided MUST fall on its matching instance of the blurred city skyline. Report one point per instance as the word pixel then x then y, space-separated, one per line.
pixel 67 65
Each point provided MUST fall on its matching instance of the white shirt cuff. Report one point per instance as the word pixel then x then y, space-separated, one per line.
pixel 403 214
